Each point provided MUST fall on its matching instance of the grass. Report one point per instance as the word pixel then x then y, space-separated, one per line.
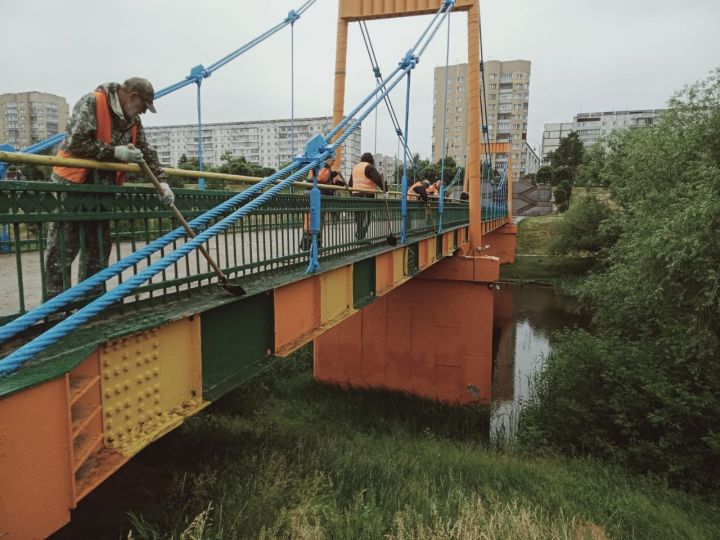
pixel 534 262
pixel 287 457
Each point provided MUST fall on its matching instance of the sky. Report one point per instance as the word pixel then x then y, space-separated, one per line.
pixel 586 56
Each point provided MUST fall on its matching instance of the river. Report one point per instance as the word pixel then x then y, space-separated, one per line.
pixel 524 321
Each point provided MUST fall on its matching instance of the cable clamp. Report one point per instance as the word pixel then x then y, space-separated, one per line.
pixel 292 16
pixel 316 149
pixel 198 73
pixel 409 61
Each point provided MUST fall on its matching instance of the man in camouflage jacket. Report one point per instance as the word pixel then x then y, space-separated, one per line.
pixel 126 102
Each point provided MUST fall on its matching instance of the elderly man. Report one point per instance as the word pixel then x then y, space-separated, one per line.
pixel 104 126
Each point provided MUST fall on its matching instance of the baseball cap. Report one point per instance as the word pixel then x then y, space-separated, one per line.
pixel 144 88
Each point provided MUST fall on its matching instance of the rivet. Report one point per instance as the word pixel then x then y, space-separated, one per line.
pixel 126 367
pixel 108 393
pixel 147 375
pixel 125 356
pixel 108 425
pixel 116 370
pixel 126 385
pixel 147 359
pixel 156 355
pixel 127 417
pixel 138 350
pixel 106 376
pixel 148 392
pixel 139 379
pixel 157 399
pixel 127 403
pixel 108 413
pixel 156 344
pixel 141 396
pixel 138 363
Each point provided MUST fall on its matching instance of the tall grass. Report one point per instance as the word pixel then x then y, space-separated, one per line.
pixel 287 457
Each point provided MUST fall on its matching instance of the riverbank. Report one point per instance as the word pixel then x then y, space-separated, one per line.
pixel 286 457
pixel 534 261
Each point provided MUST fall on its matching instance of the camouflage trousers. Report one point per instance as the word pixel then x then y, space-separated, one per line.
pixel 90 239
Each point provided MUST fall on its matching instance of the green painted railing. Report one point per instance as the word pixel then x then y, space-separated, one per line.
pixel 268 240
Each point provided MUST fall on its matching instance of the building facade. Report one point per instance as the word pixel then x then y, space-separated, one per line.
pixel 532 160
pixel 593 125
pixel 387 166
pixel 269 143
pixel 30 117
pixel 507 96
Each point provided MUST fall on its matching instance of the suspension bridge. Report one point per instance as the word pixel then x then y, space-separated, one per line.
pixel 93 375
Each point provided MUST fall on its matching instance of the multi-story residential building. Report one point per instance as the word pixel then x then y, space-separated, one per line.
pixel 507 96
pixel 266 142
pixel 30 117
pixel 532 160
pixel 387 166
pixel 591 126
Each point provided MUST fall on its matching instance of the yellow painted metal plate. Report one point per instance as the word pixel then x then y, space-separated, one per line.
pixel 336 293
pixel 399 264
pixel 150 381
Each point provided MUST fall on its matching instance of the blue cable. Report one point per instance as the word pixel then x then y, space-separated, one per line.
pixel 26 352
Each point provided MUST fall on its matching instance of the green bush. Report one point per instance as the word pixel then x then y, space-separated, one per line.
pixel 645 388
pixel 582 231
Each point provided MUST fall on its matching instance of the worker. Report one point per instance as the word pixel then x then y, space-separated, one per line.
pixel 104 126
pixel 433 189
pixel 418 191
pixel 326 176
pixel 366 177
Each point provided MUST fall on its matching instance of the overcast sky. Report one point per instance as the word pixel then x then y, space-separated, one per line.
pixel 586 56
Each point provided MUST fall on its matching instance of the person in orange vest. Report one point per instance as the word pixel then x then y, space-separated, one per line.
pixel 326 176
pixel 104 126
pixel 433 189
pixel 366 177
pixel 418 191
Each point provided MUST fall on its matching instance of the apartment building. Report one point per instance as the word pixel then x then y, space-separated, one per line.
pixel 387 166
pixel 591 126
pixel 269 143
pixel 30 117
pixel 532 160
pixel 507 96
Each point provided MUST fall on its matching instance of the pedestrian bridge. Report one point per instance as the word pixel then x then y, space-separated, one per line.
pixel 95 374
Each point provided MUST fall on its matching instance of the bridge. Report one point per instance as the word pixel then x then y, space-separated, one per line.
pixel 393 293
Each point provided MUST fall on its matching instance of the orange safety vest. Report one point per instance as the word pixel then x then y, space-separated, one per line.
pixel 359 179
pixel 103 134
pixel 411 195
pixel 323 175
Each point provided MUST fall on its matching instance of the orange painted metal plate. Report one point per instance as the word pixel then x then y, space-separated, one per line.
pixel 36 477
pixel 355 10
pixel 297 313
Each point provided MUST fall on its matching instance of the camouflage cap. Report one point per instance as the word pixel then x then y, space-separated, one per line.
pixel 144 88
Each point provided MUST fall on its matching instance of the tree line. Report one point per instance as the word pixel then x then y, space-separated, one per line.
pixel 642 386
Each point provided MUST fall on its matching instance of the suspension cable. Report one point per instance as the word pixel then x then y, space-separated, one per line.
pixel 445 104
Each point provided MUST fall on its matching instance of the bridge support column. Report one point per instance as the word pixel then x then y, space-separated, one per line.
pixel 430 337
pixel 501 243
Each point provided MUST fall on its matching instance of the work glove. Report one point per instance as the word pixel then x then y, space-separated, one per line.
pixel 128 155
pixel 384 195
pixel 166 196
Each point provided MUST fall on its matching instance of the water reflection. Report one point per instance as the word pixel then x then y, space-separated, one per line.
pixel 524 321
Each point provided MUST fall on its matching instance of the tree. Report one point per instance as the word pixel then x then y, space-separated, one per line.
pixel 591 172
pixel 545 175
pixel 644 388
pixel 569 153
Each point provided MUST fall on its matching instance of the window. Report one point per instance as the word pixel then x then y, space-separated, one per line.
pixel 492 96
pixel 493 76
pixel 519 75
pixel 493 86
pixel 460 79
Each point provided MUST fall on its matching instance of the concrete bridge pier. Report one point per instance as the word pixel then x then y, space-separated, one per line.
pixel 431 336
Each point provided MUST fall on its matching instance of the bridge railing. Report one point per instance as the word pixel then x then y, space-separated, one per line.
pixel 128 218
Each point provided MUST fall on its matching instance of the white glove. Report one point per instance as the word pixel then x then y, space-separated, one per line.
pixel 129 155
pixel 166 196
pixel 384 195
